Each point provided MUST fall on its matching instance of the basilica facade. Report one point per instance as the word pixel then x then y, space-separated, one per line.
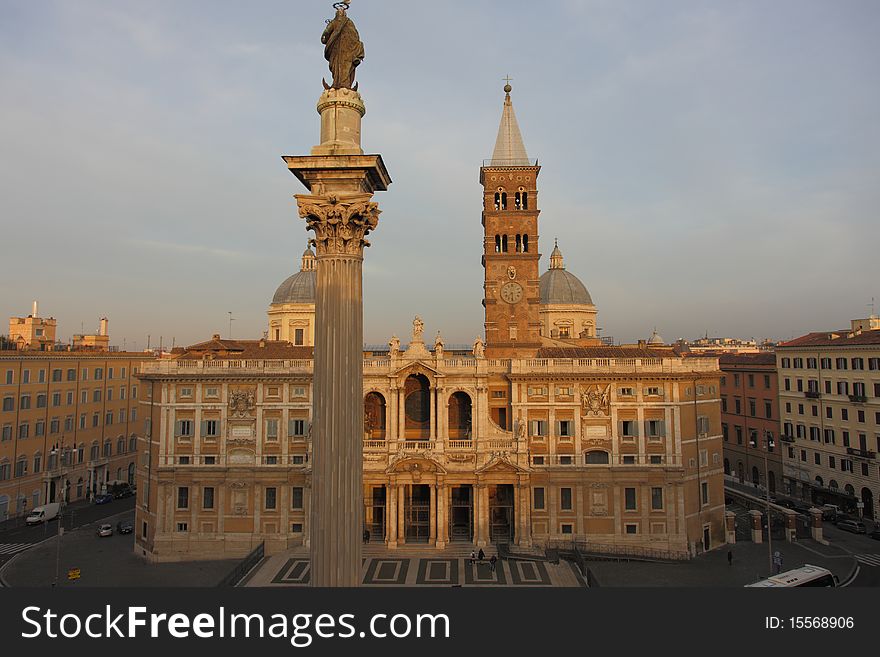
pixel 541 435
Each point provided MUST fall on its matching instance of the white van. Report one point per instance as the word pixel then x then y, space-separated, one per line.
pixel 43 513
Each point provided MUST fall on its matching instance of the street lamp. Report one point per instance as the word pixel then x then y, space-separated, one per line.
pixel 58 451
pixel 768 445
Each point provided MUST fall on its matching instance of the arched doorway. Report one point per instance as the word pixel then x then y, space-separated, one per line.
pixel 868 502
pixel 771 483
pixel 417 407
pixel 374 416
pixel 756 476
pixel 833 484
pixel 740 472
pixel 460 416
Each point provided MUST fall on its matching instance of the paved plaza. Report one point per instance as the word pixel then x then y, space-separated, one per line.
pixel 423 567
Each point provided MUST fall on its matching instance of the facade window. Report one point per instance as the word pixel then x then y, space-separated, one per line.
pixel 185 428
pixel 56 376
pixel 296 498
pixel 724 431
pixel 629 428
pixel 54 425
pixel 632 528
pixel 565 428
pixel 209 460
pixel 9 377
pixel 9 403
pixel 629 495
pixel 210 428
pixel 751 379
pixel 25 402
pixel 296 428
pixel 767 382
pixel 270 498
pixel 737 406
pixel 768 409
pixel 565 499
pixel 182 527
pixel 655 428
pixel 539 427
pixel 753 407
pixel 23 430
pixel 208 497
pixel 657 499
pixel 183 497
pixel 704 492
pixel 299 336
pixel 272 429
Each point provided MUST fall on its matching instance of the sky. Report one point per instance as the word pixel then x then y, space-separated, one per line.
pixel 708 167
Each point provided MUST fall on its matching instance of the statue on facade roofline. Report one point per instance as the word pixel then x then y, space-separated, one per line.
pixel 342 49
pixel 418 329
pixel 479 348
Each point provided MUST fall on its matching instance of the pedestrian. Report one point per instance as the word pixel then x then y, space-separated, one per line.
pixel 473 557
pixel 730 557
pixel 481 555
pixel 492 563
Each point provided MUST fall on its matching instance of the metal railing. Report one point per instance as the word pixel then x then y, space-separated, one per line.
pixel 244 567
pixel 617 551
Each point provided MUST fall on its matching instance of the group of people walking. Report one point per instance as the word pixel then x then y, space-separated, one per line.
pixel 481 557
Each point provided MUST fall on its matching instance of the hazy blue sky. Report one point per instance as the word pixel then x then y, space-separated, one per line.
pixel 707 166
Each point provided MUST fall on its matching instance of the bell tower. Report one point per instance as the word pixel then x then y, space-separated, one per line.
pixel 511 294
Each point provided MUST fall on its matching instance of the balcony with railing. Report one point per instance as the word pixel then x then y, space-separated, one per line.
pixel 812 394
pixel 858 399
pixel 580 461
pixel 861 453
pixel 786 438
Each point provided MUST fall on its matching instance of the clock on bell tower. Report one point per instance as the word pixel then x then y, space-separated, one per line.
pixel 510 243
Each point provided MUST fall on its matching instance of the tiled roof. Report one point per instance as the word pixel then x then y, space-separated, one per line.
pixel 844 338
pixel 762 358
pixel 605 352
pixel 247 349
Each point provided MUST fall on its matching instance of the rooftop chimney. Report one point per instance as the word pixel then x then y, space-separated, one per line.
pixel 104 325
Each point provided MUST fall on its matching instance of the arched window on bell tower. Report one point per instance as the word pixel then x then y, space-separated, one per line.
pixel 525 242
pixel 504 243
pixel 498 244
pixel 519 243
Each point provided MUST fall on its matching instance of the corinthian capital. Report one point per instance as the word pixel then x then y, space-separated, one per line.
pixel 341 223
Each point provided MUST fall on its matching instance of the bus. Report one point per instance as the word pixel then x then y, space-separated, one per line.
pixel 805 576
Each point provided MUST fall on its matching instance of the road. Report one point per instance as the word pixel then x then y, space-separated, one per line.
pixel 17 538
pixel 866 551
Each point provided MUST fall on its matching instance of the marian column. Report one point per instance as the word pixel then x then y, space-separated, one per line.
pixel 341 181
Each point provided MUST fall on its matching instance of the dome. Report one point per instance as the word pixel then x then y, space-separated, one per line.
pixel 299 288
pixel 656 338
pixel 560 286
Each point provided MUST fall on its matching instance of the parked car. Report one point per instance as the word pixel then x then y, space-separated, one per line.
pixel 103 499
pixel 124 527
pixel 854 526
pixel 830 511
pixel 875 534
pixel 123 492
pixel 105 530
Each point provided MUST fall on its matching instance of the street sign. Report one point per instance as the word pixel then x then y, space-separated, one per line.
pixel 73 574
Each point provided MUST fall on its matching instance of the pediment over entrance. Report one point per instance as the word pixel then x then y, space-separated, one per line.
pixel 500 464
pixel 417 367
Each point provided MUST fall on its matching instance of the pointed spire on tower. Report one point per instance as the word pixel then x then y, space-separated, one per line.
pixel 556 256
pixel 509 148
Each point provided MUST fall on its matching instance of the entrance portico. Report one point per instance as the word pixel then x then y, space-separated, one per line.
pixel 420 503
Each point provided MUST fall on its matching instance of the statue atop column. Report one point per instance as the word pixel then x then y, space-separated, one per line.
pixel 438 346
pixel 343 49
pixel 479 348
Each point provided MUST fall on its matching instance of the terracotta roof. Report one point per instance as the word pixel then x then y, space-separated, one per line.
pixel 605 352
pixel 761 358
pixel 844 338
pixel 247 349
